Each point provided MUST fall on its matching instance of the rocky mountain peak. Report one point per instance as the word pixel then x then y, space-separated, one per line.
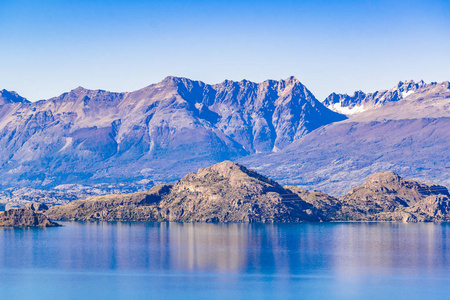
pixel 79 89
pixel 291 80
pixel 382 178
pixel 225 168
pixel 224 192
pixel 406 88
pixel 386 192
pixel 172 80
pixel 392 186
pixel 82 97
pixel 7 97
pixel 176 81
pixel 231 171
pixel 289 84
pixel 409 84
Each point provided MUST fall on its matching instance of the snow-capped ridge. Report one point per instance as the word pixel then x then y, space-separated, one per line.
pixel 360 101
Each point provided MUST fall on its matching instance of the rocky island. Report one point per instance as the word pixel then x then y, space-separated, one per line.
pixel 229 192
pixel 24 217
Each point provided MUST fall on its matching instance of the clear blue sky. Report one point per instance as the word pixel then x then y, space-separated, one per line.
pixel 48 47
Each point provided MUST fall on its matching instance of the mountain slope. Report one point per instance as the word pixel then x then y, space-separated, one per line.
pixel 410 137
pixel 157 133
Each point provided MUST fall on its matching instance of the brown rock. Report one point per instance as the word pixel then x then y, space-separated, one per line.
pixel 24 218
pixel 228 192
pixel 142 206
pixel 386 196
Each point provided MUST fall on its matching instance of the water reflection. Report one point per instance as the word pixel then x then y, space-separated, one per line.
pixel 377 248
pixel 341 250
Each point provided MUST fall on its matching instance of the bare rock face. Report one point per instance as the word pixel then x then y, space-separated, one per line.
pixel 434 208
pixel 24 218
pixel 228 192
pixel 329 207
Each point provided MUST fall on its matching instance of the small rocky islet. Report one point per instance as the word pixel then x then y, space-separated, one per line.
pixel 25 217
pixel 229 192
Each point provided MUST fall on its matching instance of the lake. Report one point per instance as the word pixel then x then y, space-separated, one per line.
pixel 226 261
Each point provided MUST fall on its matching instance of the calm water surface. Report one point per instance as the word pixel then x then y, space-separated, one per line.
pixel 226 261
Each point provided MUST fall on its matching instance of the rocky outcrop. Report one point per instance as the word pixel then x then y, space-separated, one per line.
pixel 24 218
pixel 229 192
pixel 386 196
pixel 225 192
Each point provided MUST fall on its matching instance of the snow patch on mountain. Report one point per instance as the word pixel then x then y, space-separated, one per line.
pixel 406 94
pixel 337 107
pixel 360 102
pixel 69 141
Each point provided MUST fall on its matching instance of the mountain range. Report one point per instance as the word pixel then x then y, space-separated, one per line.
pixel 153 133
pixel 90 142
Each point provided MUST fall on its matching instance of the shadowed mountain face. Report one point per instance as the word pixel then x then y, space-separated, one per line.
pixel 229 192
pixel 155 133
pixel 7 97
pixel 410 137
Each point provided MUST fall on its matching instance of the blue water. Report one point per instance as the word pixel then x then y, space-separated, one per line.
pixel 220 261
